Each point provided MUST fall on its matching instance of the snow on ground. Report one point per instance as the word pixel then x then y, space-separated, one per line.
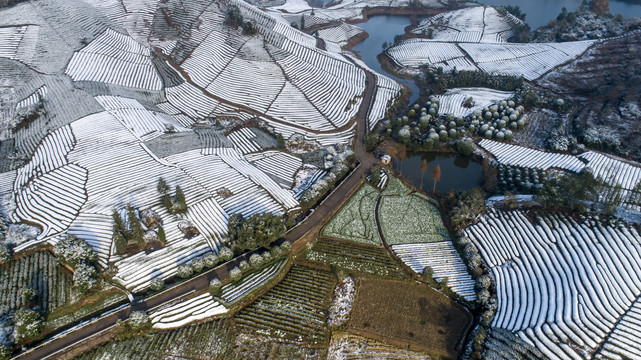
pixel 342 302
pixel 183 312
pixel 474 24
pixel 563 283
pixel 340 34
pixel 444 261
pixel 293 6
pixel 452 102
pixel 528 60
pixel 345 346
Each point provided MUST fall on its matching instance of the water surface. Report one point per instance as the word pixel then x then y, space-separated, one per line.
pixel 457 172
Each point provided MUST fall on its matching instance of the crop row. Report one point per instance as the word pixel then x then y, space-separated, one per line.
pixel 281 165
pixel 208 340
pixel 295 309
pixel 115 58
pixel 354 257
pixel 41 272
pixel 515 155
pixel 444 261
pixel 232 293
pixel 348 346
pixel 184 312
pixel 562 285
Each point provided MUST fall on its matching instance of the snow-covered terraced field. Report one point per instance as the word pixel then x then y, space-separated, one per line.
pixel 37 96
pixel 184 312
pixel 563 285
pixel 615 172
pixel 243 140
pixel 115 58
pixel 452 101
pixel 624 342
pixel 528 60
pixel 474 24
pixel 18 42
pixel 340 34
pixel 444 260
pixel 280 165
pixel 515 155
pixel 232 293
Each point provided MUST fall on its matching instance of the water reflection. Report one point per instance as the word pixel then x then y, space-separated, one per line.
pixel 457 172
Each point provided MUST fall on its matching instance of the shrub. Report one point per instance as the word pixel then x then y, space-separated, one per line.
pixel 276 251
pixel 5 254
pixel 5 352
pixel 157 284
pixel 267 256
pixel 139 321
pixel 211 260
pixel 184 271
pixel 198 265
pixel 285 247
pixel 73 251
pixel 225 254
pixel 465 146
pixel 84 278
pixel 255 260
pixel 161 235
pixel 27 294
pixel 215 286
pixel 162 186
pixel 235 274
pixel 28 325
pixel 244 265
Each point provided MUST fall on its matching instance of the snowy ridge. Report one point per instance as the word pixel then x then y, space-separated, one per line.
pixel 184 312
pixel 561 285
pixel 515 155
pixel 444 260
pixel 115 58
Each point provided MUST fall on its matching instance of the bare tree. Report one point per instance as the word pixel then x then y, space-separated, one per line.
pixel 436 175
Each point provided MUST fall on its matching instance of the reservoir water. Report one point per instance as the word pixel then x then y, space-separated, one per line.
pixel 457 172
pixel 382 29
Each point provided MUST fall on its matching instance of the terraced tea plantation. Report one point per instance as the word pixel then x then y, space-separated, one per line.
pixel 353 257
pixel 295 309
pixel 210 340
pixel 41 272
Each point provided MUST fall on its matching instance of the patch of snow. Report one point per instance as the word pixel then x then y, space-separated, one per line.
pixel 342 302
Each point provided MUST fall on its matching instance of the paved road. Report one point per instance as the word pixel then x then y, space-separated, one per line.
pixel 310 225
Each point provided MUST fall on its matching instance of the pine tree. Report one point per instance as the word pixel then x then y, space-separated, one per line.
pixel 135 226
pixel 162 186
pixel 280 141
pixel 166 201
pixel 120 242
pixel 180 200
pixel 161 235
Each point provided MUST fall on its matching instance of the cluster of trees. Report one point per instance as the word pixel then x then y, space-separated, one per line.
pixel 258 230
pixel 137 324
pixel 235 19
pixel 438 81
pixel 132 236
pixel 465 207
pixel 174 204
pixel 78 255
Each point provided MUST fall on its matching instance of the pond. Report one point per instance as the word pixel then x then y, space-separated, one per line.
pixel 541 12
pixel 382 29
pixel 457 172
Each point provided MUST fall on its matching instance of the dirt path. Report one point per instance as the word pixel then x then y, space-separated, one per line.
pixel 299 235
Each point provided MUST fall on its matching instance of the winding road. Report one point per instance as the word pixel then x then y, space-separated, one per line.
pixel 303 232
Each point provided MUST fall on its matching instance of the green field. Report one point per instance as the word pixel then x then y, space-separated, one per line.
pixel 355 220
pixel 295 309
pixel 409 219
pixel 354 257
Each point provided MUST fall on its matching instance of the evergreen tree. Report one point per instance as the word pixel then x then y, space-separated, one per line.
pixel 162 186
pixel 134 225
pixel 120 242
pixel 280 141
pixel 161 235
pixel 181 204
